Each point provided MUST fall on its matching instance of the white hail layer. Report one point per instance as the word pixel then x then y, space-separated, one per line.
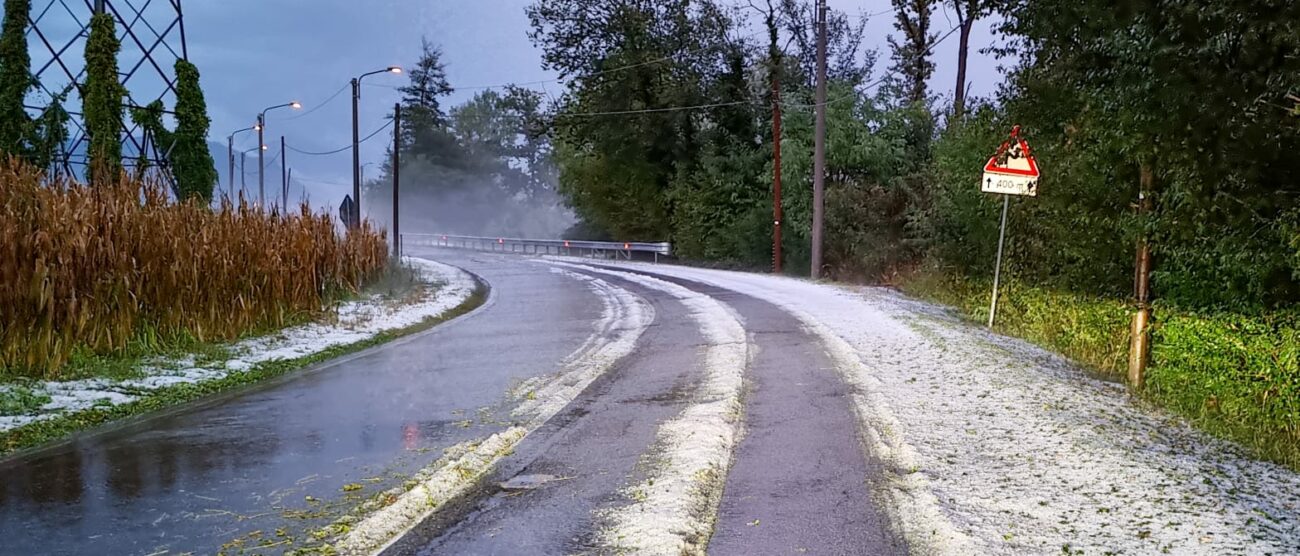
pixel 674 510
pixel 1016 450
pixel 355 321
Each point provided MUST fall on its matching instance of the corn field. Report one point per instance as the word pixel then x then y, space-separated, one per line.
pixel 117 265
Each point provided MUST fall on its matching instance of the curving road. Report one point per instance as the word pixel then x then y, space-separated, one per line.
pixel 207 475
pixel 254 471
pixel 665 410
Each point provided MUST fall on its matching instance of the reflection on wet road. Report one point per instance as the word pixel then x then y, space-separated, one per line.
pixel 239 468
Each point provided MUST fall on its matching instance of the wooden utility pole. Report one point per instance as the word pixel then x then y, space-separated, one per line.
pixel 774 54
pixel 819 148
pixel 1139 345
pixel 397 168
pixel 776 177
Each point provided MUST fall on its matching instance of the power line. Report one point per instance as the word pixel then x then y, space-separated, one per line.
pixel 321 105
pixel 878 82
pixel 344 148
pixel 668 58
pixel 656 110
pixel 870 15
pixel 851 94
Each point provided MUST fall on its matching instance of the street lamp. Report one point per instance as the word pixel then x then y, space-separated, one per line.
pixel 356 140
pixel 230 154
pixel 261 153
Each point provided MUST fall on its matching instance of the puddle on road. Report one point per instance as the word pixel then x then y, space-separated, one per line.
pixel 530 482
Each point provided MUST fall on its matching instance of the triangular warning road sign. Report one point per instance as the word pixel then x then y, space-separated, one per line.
pixel 1015 159
pixel 1013 171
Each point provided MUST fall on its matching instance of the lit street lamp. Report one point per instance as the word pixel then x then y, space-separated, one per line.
pixel 261 153
pixel 356 140
pixel 230 155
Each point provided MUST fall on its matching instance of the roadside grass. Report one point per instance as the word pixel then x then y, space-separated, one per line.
pixel 1091 330
pixel 20 400
pixel 42 432
pixel 1235 376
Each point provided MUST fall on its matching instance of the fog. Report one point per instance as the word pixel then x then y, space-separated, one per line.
pixel 435 200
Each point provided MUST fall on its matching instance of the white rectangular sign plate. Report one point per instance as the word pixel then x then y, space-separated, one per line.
pixel 1008 184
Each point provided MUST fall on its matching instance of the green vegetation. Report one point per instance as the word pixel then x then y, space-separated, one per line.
pixel 666 133
pixel 1090 329
pixel 20 400
pixel 481 167
pixel 192 164
pixel 103 97
pixel 1234 375
pixel 15 79
pixel 42 432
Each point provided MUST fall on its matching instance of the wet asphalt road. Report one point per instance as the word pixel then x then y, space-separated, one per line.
pixel 800 481
pixel 211 474
pixel 592 447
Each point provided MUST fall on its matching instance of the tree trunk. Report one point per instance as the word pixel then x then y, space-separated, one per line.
pixel 967 22
pixel 1139 345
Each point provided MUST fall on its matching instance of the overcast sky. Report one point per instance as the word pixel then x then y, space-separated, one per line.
pixel 257 53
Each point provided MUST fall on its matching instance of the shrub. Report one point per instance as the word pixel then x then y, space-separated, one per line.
pixel 105 268
pixel 1236 375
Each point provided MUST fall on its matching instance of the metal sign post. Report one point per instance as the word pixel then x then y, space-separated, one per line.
pixel 997 269
pixel 1012 171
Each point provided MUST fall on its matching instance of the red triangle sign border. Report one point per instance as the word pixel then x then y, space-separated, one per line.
pixel 1024 147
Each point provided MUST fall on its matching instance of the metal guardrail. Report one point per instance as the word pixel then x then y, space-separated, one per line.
pixel 541 246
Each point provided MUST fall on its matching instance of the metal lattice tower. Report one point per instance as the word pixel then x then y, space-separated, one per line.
pixel 152 34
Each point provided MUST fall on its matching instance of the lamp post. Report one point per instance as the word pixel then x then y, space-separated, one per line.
pixel 261 152
pixel 230 154
pixel 243 172
pixel 356 139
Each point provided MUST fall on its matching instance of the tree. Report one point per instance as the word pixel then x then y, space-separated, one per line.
pixel 192 163
pixel 624 133
pixel 424 122
pixel 51 134
pixel 846 60
pixel 510 129
pixel 1186 92
pixel 968 12
pixel 102 99
pixel 912 62
pixel 150 120
pixel 15 80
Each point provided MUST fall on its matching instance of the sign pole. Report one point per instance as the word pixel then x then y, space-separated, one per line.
pixel 997 269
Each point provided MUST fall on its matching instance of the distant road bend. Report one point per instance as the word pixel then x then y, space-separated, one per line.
pixel 654 409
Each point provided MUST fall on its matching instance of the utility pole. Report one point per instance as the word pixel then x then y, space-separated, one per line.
pixel 356 139
pixel 776 177
pixel 261 155
pixel 284 180
pixel 397 182
pixel 230 157
pixel 356 152
pixel 774 54
pixel 261 148
pixel 1139 346
pixel 819 148
pixel 243 174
